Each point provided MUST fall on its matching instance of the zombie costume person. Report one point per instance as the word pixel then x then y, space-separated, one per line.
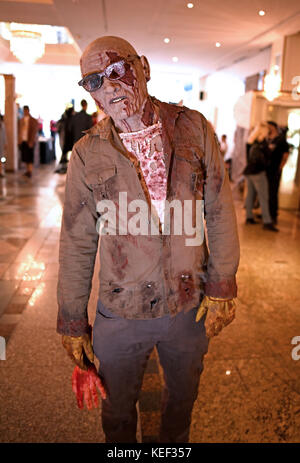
pixel 160 287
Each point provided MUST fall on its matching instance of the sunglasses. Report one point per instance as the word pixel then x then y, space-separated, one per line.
pixel 114 71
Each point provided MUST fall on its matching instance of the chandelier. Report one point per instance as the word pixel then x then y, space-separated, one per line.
pixel 27 46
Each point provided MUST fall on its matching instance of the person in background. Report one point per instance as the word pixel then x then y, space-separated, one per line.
pixel 19 112
pixel 66 138
pixel 255 172
pixel 81 121
pixel 41 126
pixel 27 136
pixel 223 145
pixel 3 144
pixel 225 154
pixel 53 133
pixel 279 149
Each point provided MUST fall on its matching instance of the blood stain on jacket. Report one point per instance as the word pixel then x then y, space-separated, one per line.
pixel 186 287
pixel 120 260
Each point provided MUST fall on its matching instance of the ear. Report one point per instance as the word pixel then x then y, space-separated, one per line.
pixel 146 67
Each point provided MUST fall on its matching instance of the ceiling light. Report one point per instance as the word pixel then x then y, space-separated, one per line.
pixel 27 46
pixel 261 13
pixel 190 5
pixel 218 44
pixel 175 59
pixel 166 40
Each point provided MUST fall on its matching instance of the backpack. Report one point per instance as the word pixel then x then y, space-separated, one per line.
pixel 258 158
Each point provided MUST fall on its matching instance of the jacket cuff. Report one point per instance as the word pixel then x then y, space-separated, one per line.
pixel 225 288
pixel 73 327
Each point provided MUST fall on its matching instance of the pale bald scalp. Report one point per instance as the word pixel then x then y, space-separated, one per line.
pixel 91 60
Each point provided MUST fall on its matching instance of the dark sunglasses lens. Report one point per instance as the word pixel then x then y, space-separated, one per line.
pixel 115 71
pixel 92 83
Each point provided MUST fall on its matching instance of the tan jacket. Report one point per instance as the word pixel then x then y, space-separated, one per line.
pixel 32 131
pixel 145 276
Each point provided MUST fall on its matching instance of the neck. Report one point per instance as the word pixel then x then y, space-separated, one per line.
pixel 145 117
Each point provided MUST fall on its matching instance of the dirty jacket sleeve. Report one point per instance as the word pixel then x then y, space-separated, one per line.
pixel 78 249
pixel 223 242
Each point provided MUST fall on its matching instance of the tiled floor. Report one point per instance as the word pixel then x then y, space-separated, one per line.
pixel 250 387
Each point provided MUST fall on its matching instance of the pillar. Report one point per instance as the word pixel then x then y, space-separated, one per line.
pixel 11 123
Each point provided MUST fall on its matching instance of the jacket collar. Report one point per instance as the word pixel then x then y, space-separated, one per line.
pixel 168 114
pixel 101 129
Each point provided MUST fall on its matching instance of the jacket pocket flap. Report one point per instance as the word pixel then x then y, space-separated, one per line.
pixel 191 154
pixel 101 176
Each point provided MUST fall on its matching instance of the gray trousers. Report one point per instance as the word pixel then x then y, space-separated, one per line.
pixel 123 347
pixel 258 183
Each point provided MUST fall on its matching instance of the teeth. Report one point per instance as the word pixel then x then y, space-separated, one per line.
pixel 116 100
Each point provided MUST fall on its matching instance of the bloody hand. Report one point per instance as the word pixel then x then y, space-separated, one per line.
pixel 85 384
pixel 220 312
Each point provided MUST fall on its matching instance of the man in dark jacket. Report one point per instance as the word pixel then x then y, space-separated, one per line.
pixel 80 122
pixel 158 288
pixel 66 138
pixel 279 155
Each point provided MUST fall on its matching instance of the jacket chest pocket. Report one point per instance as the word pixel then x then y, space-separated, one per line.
pixel 190 171
pixel 104 183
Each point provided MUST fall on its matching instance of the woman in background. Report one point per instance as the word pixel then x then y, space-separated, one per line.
pixel 255 172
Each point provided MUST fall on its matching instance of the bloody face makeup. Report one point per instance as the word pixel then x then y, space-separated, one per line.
pixel 124 98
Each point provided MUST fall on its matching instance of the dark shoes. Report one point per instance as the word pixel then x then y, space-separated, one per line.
pixel 61 169
pixel 251 222
pixel 270 227
pixel 266 226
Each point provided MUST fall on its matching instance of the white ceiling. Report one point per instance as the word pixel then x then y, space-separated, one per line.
pixel 145 23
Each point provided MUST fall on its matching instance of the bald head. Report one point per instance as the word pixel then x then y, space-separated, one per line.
pixel 92 59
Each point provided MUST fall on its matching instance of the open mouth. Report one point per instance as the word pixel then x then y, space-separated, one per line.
pixel 117 100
